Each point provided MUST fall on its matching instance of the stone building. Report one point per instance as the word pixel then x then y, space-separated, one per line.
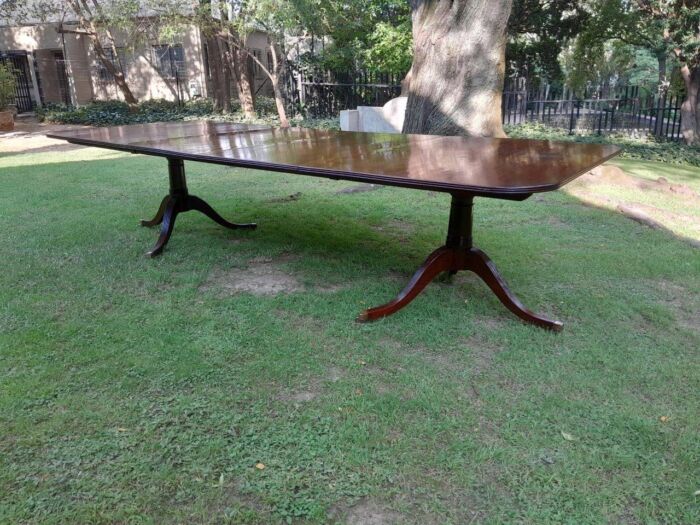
pixel 57 66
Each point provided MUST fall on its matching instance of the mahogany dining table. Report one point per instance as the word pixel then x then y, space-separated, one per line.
pixel 464 167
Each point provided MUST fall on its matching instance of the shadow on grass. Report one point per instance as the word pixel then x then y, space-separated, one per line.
pixel 335 228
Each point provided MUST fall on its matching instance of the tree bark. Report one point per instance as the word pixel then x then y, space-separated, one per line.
pixel 220 75
pixel 274 79
pixel 458 68
pixel 85 22
pixel 117 73
pixel 661 57
pixel 690 109
pixel 243 78
pixel 406 83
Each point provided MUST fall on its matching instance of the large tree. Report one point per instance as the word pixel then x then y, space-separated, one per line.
pixel 456 80
pixel 664 27
pixel 681 29
pixel 219 21
pixel 537 32
pixel 616 21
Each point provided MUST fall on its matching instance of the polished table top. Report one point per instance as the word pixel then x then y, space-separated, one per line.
pixel 509 168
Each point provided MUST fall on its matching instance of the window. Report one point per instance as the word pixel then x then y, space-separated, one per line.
pixel 257 53
pixel 103 74
pixel 207 67
pixel 169 60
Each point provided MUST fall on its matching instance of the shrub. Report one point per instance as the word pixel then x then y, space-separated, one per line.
pixel 265 107
pixel 7 86
pixel 642 148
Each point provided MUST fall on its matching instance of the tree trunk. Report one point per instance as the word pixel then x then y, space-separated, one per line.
pixel 220 75
pixel 279 101
pixel 690 109
pixel 661 57
pixel 117 73
pixel 275 80
pixel 458 68
pixel 244 85
pixel 406 83
pixel 86 23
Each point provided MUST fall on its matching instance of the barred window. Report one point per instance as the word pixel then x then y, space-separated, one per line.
pixel 103 74
pixel 169 60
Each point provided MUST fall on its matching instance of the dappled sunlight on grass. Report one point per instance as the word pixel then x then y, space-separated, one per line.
pixel 668 196
pixel 138 389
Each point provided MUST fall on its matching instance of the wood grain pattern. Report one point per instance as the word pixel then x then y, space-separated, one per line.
pixel 503 168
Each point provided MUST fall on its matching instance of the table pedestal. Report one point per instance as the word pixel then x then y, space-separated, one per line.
pixel 456 255
pixel 180 201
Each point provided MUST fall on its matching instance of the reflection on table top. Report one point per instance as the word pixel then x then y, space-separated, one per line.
pixel 484 166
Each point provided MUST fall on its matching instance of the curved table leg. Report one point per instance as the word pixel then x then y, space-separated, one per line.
pixel 195 203
pixel 155 221
pixel 479 263
pixel 171 211
pixel 439 261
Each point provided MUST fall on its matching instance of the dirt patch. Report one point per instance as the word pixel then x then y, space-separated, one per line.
pixel 303 396
pixel 650 216
pixel 366 513
pixel 362 188
pixel 396 225
pixel 313 388
pixel 482 353
pixel 334 374
pixel 656 218
pixel 262 277
pixel 491 322
pixel 556 222
pixel 440 360
pixel 677 299
pixel 289 198
pixel 591 189
pixel 614 176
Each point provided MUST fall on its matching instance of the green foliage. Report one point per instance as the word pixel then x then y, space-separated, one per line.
pixel 367 35
pixel 391 48
pixel 7 86
pixel 645 148
pixel 537 32
pixel 598 62
pixel 113 113
pixel 110 113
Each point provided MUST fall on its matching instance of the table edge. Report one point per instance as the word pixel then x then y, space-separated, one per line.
pixel 518 193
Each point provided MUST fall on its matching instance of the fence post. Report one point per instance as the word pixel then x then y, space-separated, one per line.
pixel 571 119
pixel 300 89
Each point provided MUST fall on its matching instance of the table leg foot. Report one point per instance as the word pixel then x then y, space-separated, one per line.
pixel 452 260
pixel 439 261
pixel 479 263
pixel 155 221
pixel 168 223
pixel 195 203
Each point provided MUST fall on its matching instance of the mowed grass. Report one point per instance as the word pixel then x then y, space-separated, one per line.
pixel 155 391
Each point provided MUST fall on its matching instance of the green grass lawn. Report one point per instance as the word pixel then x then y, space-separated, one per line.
pixel 146 391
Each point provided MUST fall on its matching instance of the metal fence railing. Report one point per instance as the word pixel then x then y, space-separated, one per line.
pixel 657 115
pixel 600 110
pixel 17 60
pixel 325 94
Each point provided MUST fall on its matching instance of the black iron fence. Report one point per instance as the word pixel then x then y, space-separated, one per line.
pixel 601 109
pixel 17 60
pixel 658 115
pixel 325 94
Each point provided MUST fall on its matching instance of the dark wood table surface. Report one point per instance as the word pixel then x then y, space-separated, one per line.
pixel 465 167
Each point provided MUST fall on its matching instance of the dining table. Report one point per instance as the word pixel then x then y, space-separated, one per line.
pixel 463 167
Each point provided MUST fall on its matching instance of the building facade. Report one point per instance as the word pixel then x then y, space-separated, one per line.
pixel 54 65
